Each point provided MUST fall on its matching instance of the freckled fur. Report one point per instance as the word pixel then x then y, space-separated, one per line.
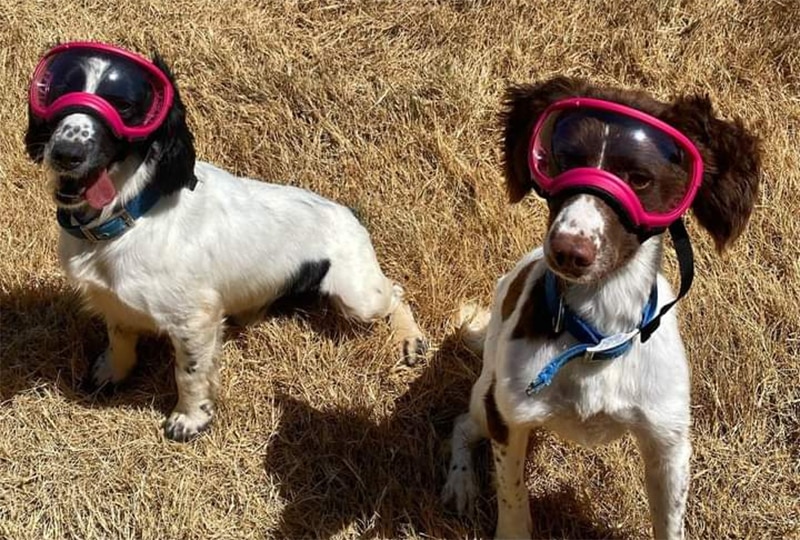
pixel 514 292
pixel 498 430
pixel 213 245
pixel 645 391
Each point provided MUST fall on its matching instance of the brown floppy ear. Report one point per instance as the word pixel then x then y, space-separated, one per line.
pixel 732 167
pixel 522 105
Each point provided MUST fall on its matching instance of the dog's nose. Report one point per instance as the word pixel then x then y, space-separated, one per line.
pixel 68 155
pixel 572 253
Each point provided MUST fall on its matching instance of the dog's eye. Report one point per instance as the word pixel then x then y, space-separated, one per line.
pixel 638 180
pixel 124 107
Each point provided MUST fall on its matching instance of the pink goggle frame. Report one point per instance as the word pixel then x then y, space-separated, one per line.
pixel 596 179
pixel 163 92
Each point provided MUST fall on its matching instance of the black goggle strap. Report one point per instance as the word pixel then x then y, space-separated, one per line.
pixel 683 248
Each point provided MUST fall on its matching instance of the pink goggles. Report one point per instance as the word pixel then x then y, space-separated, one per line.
pixel 647 170
pixel 125 90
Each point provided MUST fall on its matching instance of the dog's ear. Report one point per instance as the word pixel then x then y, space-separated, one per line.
pixel 36 138
pixel 176 157
pixel 522 106
pixel 38 132
pixel 732 164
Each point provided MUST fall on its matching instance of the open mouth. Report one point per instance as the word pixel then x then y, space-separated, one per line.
pixel 97 190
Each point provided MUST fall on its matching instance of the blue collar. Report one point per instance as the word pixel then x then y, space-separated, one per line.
pixel 118 223
pixel 591 344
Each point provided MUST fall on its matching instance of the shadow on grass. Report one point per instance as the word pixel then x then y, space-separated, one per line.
pixel 48 340
pixel 345 471
pixel 339 470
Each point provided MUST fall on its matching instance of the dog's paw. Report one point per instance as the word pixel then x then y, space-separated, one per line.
pixel 472 322
pixel 461 489
pixel 514 524
pixel 182 427
pixel 414 349
pixel 104 374
pixel 512 533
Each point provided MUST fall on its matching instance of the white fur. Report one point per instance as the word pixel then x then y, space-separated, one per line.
pixel 76 127
pixel 645 392
pixel 235 238
pixel 230 246
pixel 94 68
pixel 581 217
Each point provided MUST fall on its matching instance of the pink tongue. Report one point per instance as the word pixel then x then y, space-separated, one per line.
pixel 101 192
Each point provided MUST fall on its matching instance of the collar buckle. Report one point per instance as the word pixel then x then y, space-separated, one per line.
pixel 125 216
pixel 610 346
pixel 91 234
pixel 88 234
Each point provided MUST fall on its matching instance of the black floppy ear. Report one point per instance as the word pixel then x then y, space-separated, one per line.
pixel 176 157
pixel 732 167
pixel 38 132
pixel 36 138
pixel 522 106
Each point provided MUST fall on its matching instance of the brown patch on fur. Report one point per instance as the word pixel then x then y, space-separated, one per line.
pixel 498 430
pixel 515 290
pixel 534 320
pixel 617 243
pixel 522 106
pixel 617 239
pixel 732 167
pixel 524 103
pixel 731 154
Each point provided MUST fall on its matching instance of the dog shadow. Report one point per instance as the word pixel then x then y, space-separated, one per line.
pixel 339 470
pixel 316 312
pixel 49 340
pixel 343 471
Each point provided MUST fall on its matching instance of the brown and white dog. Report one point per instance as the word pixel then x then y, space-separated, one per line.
pixel 605 275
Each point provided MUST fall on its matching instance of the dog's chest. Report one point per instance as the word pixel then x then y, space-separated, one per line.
pixel 587 402
pixel 105 286
pixel 586 409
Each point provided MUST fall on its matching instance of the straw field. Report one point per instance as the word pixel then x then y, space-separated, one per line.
pixel 391 108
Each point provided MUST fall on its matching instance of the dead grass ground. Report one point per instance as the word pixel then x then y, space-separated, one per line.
pixel 390 108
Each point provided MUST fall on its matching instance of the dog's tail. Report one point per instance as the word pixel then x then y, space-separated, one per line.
pixel 472 322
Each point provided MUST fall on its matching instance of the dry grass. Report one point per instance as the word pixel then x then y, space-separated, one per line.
pixel 390 108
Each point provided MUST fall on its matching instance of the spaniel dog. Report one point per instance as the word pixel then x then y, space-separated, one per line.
pixel 599 272
pixel 156 241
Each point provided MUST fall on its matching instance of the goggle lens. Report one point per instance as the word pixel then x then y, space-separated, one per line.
pixel 130 89
pixel 651 162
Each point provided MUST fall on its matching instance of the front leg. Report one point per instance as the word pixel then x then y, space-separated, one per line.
pixel 461 487
pixel 196 375
pixel 119 358
pixel 666 458
pixel 513 512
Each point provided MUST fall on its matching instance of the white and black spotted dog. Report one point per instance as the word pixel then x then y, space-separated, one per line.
pixel 593 268
pixel 209 244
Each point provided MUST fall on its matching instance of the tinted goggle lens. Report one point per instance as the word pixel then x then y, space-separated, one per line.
pixel 129 88
pixel 651 162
